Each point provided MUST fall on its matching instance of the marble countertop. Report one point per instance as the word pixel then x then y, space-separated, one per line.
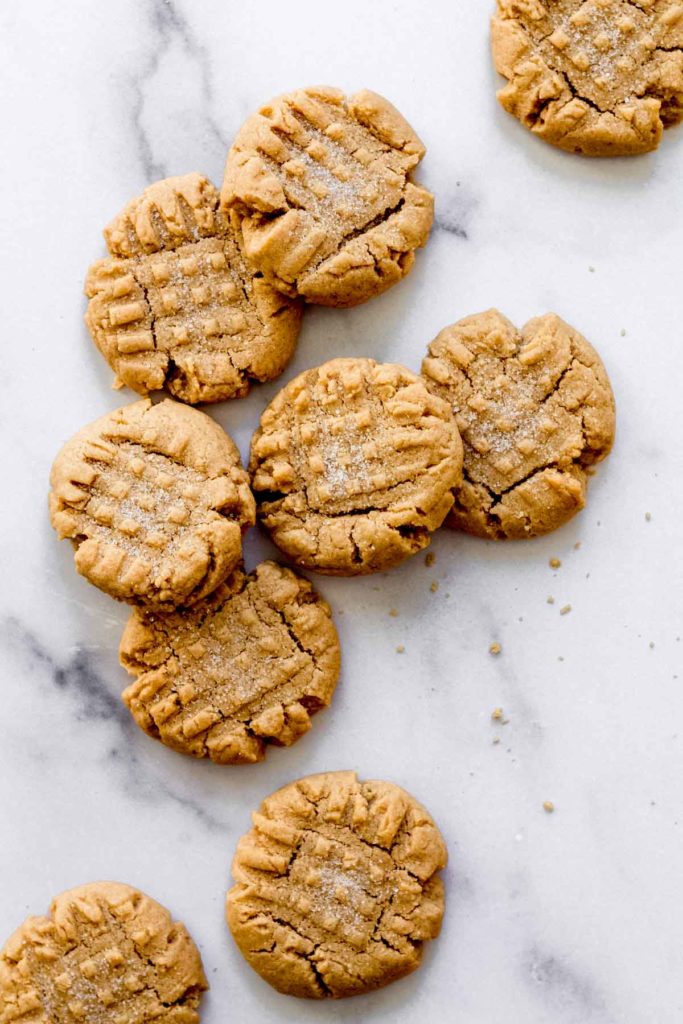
pixel 572 917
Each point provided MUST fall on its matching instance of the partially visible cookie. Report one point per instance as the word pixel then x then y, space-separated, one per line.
pixel 336 886
pixel 535 410
pixel 155 500
pixel 106 954
pixel 599 77
pixel 353 466
pixel 321 187
pixel 178 306
pixel 245 667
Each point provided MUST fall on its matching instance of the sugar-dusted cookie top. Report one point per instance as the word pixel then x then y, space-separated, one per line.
pixel 178 306
pixel 247 666
pixel 105 953
pixel 155 501
pixel 535 411
pixel 353 466
pixel 337 886
pixel 321 185
pixel 599 77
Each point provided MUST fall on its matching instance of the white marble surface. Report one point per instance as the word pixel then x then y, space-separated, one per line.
pixel 574 917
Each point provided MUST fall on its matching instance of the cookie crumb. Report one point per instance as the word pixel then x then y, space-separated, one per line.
pixel 652 643
pixel 430 558
pixel 434 586
pixel 400 649
pixel 648 517
pixel 550 600
pixel 495 740
pixel 495 648
pixel 393 612
pixel 565 610
pixel 577 545
pixel 548 806
pixel 554 563
pixel 592 270
pixel 497 715
pixel 623 332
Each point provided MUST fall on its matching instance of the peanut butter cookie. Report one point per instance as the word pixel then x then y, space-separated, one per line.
pixel 107 954
pixel 535 410
pixel 336 886
pixel 155 500
pixel 599 77
pixel 246 667
pixel 353 466
pixel 321 186
pixel 178 305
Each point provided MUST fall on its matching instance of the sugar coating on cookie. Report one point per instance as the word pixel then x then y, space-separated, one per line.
pixel 105 954
pixel 337 886
pixel 155 500
pixel 246 667
pixel 353 466
pixel 599 77
pixel 321 186
pixel 535 410
pixel 178 306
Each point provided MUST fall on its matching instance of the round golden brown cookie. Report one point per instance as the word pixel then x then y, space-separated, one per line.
pixel 599 77
pixel 321 186
pixel 336 886
pixel 155 501
pixel 535 411
pixel 107 954
pixel 353 466
pixel 178 305
pixel 246 667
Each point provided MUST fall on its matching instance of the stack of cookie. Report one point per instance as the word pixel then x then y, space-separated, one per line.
pixel 353 466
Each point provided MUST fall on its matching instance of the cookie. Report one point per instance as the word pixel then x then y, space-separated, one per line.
pixel 598 77
pixel 106 954
pixel 321 187
pixel 246 667
pixel 178 306
pixel 353 466
pixel 336 886
pixel 535 410
pixel 155 501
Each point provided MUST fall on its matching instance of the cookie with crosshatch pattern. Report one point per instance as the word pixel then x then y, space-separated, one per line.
pixel 321 187
pixel 337 886
pixel 105 954
pixel 155 501
pixel 599 77
pixel 353 466
pixel 535 411
pixel 178 306
pixel 246 667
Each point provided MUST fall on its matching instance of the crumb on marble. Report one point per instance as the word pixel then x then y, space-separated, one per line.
pixel 497 715
pixel 495 648
pixel 652 643
pixel 623 332
pixel 548 806
pixel 550 600
pixel 495 740
pixel 648 517
pixel 565 609
pixel 393 612
pixel 554 563
pixel 430 558
pixel 400 649
pixel 434 586
pixel 577 545
pixel 592 270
